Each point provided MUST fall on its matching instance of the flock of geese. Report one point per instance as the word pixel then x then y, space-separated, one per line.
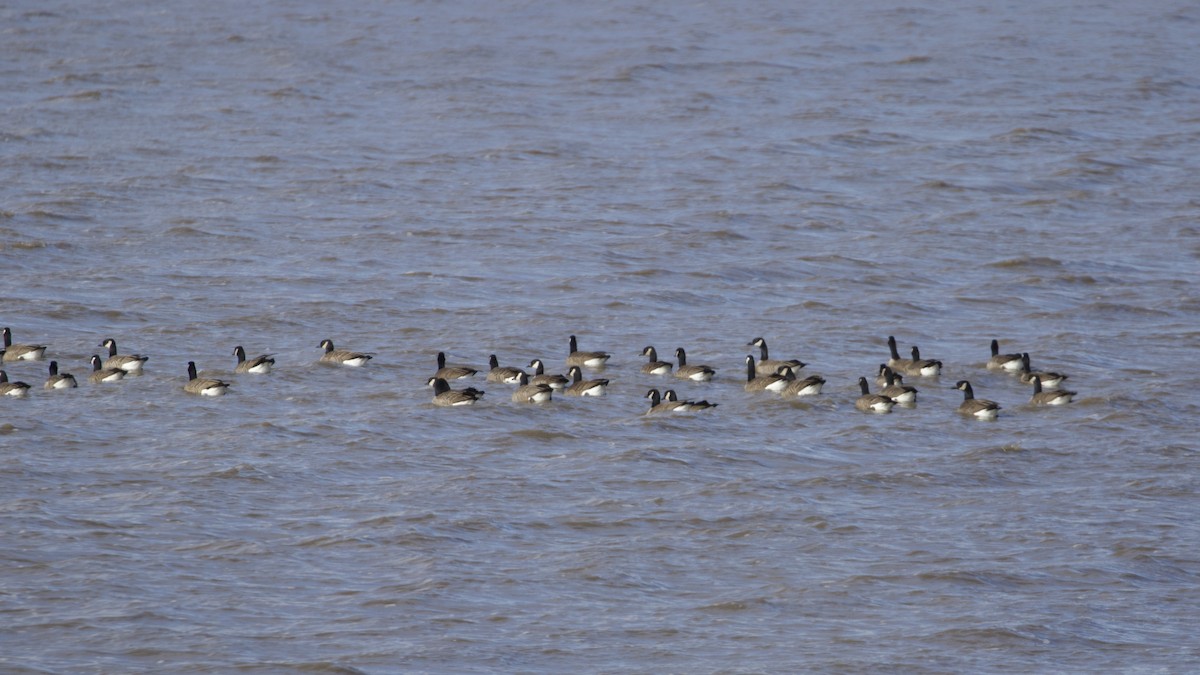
pixel 535 385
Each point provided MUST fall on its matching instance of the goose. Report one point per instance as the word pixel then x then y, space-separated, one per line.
pixel 654 366
pixel 586 359
pixel 693 373
pixel 922 367
pixel 204 386
pixel 686 406
pixel 581 387
pixel 540 376
pixel 451 372
pixel 443 395
pixel 881 378
pixel 1052 397
pixel 775 382
pixel 60 380
pixel 768 366
pixel 102 374
pixel 809 386
pixel 259 364
pixel 130 363
pixel 342 357
pixel 13 352
pixel 14 389
pixel 531 393
pixel 657 405
pixel 998 361
pixel 897 390
pixel 976 407
pixel 505 375
pixel 895 362
pixel 1049 380
pixel 873 403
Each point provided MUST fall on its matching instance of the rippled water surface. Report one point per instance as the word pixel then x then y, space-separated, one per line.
pixel 409 178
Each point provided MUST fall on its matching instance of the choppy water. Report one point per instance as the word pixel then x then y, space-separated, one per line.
pixel 413 177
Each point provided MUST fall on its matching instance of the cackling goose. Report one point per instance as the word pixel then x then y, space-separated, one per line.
pixel 654 366
pixel 685 406
pixel 897 390
pixel 540 376
pixel 586 359
pixel 14 389
pixel 342 357
pixel 204 386
pixel 13 352
pixel 531 393
pixel 581 387
pixel 505 374
pixel 998 361
pixel 1050 397
pixel 920 367
pixel 767 366
pixel 874 403
pixel 1049 380
pixel 976 407
pixel 260 364
pixel 130 363
pixel 59 380
pixel 443 395
pixel 451 372
pixel 694 373
pixel 809 386
pixel 101 374
pixel 775 382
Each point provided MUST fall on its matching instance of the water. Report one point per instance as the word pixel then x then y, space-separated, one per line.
pixel 415 178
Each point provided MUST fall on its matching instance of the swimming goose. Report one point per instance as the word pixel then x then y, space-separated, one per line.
pixel 343 357
pixel 881 377
pixel 976 407
pixel 922 367
pixel 130 363
pixel 13 352
pixel 102 374
pixel 775 382
pixel 451 372
pixel 657 405
pixel 1000 361
pixel 1052 397
pixel 586 359
pixel 1049 380
pixel 531 393
pixel 654 366
pixel 580 387
pixel 874 403
pixel 505 375
pixel 693 373
pixel 685 406
pixel 443 395
pixel 60 380
pixel 14 389
pixel 767 366
pixel 895 362
pixel 809 386
pixel 204 386
pixel 897 390
pixel 259 364
pixel 540 376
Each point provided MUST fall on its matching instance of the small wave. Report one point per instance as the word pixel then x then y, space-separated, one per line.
pixel 1110 309
pixel 544 435
pixel 1026 262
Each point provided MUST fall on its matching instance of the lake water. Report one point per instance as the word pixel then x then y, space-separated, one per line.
pixel 409 178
